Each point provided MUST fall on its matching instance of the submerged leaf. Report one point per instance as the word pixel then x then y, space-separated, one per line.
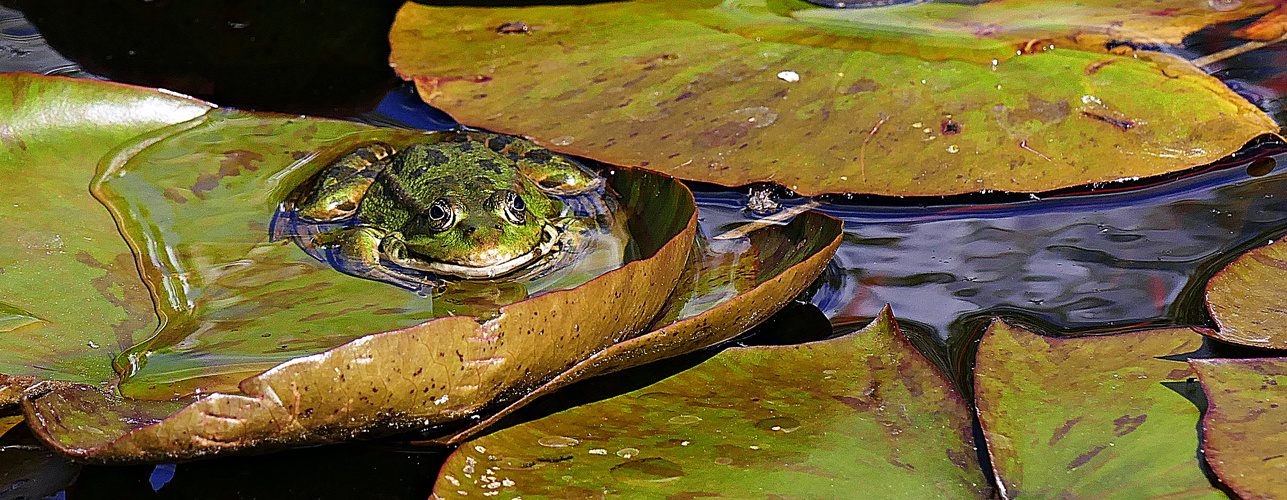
pixel 925 99
pixel 862 413
pixel 1246 299
pixel 1244 423
pixel 1089 417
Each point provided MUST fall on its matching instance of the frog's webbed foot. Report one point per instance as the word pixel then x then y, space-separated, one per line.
pixel 360 249
pixel 555 173
pixel 340 187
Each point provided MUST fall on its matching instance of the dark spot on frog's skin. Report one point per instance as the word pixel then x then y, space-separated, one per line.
pixel 539 155
pixel 432 159
pixel 499 144
pixel 489 166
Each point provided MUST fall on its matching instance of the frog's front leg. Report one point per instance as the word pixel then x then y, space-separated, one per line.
pixel 360 251
pixel 342 185
pixel 555 173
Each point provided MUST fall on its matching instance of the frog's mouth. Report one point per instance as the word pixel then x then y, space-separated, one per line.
pixel 549 240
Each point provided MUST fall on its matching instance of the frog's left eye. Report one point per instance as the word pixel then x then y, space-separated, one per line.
pixel 515 208
pixel 440 215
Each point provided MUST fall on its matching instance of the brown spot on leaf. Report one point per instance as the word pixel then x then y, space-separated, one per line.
pixel 723 135
pixel 1127 424
pixel 1063 431
pixel 174 194
pixel 237 159
pixel 864 85
pixel 1094 67
pixel 1085 457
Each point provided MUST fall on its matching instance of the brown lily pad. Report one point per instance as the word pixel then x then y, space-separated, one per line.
pixel 1246 299
pixel 827 101
pixel 863 415
pixel 1245 423
pixel 1089 417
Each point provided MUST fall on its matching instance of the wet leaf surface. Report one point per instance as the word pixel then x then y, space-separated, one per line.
pixel 1244 423
pixel 728 92
pixel 70 296
pixel 343 356
pixel 863 412
pixel 1246 300
pixel 1104 424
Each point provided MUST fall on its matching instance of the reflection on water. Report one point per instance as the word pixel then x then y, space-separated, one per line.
pixel 1075 262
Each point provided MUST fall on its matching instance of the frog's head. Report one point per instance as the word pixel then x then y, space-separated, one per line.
pixel 462 210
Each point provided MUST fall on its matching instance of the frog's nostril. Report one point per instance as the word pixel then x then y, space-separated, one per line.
pixel 469 230
pixel 497 226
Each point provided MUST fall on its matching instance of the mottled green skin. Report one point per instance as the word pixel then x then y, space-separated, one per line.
pixel 476 206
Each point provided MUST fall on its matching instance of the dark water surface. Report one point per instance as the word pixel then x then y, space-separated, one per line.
pixel 1114 257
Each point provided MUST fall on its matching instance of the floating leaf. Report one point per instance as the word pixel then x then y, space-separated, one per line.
pixel 1244 423
pixel 1246 299
pixel 195 201
pixel 1089 417
pixel 862 413
pixel 829 101
pixel 68 272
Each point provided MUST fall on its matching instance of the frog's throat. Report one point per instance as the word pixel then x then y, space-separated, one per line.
pixel 549 240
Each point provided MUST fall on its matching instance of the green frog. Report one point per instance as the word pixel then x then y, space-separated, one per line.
pixel 474 206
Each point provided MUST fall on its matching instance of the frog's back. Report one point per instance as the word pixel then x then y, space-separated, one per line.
pixel 467 172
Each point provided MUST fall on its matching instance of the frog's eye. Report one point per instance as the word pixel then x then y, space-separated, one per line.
pixel 440 215
pixel 515 208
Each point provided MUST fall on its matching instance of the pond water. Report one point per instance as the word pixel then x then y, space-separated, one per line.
pixel 1104 258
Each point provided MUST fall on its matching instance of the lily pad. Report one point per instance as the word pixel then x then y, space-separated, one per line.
pixel 824 101
pixel 1244 423
pixel 70 296
pixel 195 202
pixel 1246 299
pixel 864 412
pixel 1089 417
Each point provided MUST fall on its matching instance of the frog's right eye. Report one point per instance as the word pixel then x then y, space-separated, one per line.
pixel 440 215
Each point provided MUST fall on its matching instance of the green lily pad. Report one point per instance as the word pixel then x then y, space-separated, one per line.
pixel 1089 417
pixel 70 297
pixel 1246 299
pixel 259 344
pixel 728 91
pixel 1244 423
pixel 861 413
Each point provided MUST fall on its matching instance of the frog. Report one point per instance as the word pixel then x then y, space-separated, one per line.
pixel 476 205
